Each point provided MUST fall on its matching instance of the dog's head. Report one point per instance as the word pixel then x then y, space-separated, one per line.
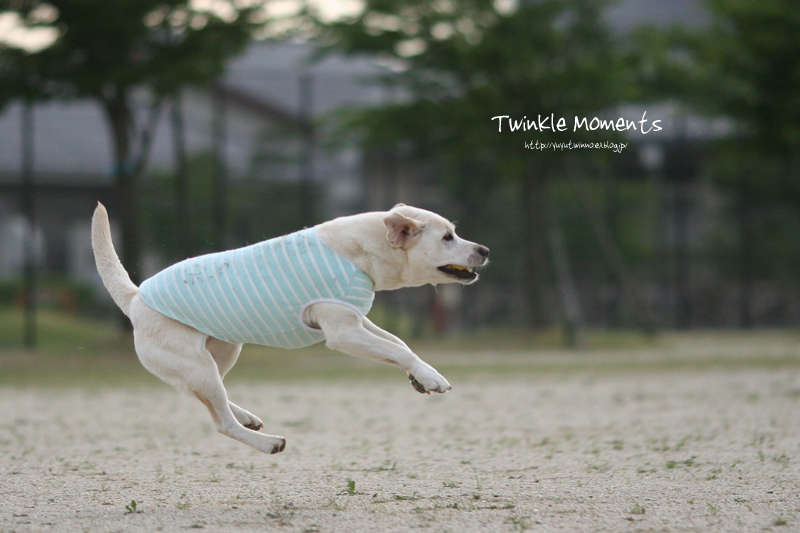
pixel 435 254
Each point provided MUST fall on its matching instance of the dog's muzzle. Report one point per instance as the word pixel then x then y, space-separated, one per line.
pixel 467 274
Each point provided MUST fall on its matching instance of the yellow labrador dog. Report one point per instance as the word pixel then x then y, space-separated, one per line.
pixel 191 319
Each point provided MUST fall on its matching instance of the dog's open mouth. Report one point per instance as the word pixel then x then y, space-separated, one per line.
pixel 460 272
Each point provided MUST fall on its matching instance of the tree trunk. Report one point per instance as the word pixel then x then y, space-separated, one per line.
pixel 219 205
pixel 181 182
pixel 533 199
pixel 568 293
pixel 746 251
pixel 631 292
pixel 126 190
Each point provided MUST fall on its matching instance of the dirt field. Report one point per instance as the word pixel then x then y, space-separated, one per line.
pixel 642 445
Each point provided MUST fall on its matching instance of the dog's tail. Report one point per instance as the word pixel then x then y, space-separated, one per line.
pixel 115 277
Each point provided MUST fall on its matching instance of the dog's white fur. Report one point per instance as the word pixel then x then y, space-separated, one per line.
pixel 403 247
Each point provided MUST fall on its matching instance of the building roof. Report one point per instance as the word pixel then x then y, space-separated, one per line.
pixel 71 138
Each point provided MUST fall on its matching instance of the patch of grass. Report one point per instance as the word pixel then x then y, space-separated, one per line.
pixel 132 508
pixel 687 462
pixel 503 339
pixel 596 468
pixel 55 330
pixel 81 351
pixel 782 460
pixel 638 509
pixel 70 351
pixel 518 523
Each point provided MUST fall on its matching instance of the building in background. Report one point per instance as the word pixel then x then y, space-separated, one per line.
pixel 268 101
pixel 267 96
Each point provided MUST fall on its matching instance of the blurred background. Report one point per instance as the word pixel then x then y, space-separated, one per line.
pixel 205 125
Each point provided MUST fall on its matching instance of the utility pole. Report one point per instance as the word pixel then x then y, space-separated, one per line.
pixel 305 115
pixel 219 208
pixel 29 240
pixel 181 182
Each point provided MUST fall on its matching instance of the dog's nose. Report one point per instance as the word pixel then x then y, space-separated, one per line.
pixel 483 251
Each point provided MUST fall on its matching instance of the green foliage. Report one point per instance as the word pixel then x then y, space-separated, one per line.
pixel 757 47
pixel 461 63
pixel 103 47
pixel 638 509
pixel 257 210
pixel 107 49
pixel 458 64
pixel 131 508
pixel 745 65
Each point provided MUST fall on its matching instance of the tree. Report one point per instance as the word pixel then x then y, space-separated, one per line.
pixel 117 53
pixel 462 63
pixel 744 66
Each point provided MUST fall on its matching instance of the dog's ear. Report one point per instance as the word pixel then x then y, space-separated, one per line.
pixel 402 232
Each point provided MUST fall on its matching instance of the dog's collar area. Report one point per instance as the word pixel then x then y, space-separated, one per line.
pixel 459 272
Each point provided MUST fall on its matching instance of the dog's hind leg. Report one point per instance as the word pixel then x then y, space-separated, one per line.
pixel 212 394
pixel 178 355
pixel 225 355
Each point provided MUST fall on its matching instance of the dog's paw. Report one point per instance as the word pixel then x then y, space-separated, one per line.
pixel 279 446
pixel 416 384
pixel 426 379
pixel 255 425
pixel 246 418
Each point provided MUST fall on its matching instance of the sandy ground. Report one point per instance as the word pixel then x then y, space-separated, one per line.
pixel 670 450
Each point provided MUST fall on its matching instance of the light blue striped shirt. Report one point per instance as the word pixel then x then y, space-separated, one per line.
pixel 257 294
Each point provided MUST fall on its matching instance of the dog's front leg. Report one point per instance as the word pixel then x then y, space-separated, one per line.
pixel 372 328
pixel 350 333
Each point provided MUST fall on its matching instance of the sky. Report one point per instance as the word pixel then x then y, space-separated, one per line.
pixel 16 33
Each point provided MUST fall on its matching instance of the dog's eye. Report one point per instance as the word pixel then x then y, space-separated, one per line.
pixel 448 236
